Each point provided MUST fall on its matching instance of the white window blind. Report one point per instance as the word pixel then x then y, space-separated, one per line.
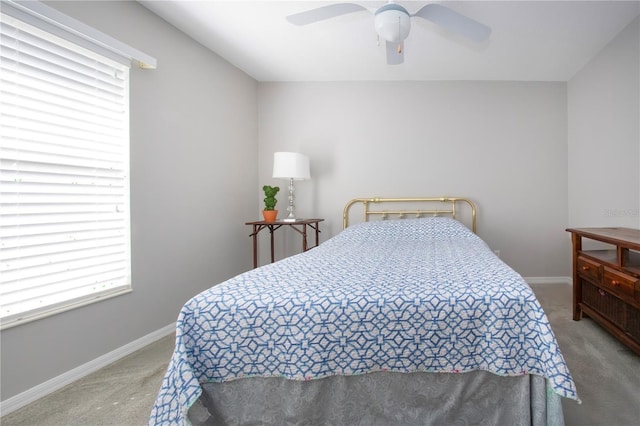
pixel 64 186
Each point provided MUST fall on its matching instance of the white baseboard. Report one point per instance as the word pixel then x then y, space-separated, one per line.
pixel 77 373
pixel 548 280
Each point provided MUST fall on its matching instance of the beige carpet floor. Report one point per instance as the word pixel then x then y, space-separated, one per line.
pixel 120 394
pixel 607 376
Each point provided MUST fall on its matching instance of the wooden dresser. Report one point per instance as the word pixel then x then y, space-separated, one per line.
pixel 606 281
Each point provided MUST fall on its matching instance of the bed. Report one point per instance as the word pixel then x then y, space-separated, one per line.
pixel 407 320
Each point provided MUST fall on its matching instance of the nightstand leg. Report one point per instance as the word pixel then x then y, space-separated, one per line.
pixel 255 246
pixel 271 234
pixel 304 237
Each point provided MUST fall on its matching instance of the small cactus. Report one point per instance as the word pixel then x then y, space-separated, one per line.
pixel 270 196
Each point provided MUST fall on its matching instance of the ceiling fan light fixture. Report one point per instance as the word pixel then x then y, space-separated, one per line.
pixel 392 23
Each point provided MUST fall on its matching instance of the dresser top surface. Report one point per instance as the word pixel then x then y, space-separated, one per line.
pixel 628 237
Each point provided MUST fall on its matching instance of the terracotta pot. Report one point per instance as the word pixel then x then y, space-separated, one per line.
pixel 270 215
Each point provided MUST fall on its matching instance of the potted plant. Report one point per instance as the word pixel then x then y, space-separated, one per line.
pixel 269 212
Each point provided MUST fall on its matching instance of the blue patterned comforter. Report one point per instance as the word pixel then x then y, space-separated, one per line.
pixel 400 295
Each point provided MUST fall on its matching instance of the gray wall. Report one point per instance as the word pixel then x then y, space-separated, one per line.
pixel 193 151
pixel 604 136
pixel 502 144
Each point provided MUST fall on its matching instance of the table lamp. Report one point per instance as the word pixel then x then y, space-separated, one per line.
pixel 292 166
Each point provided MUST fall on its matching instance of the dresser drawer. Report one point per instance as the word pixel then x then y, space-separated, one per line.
pixel 589 269
pixel 619 283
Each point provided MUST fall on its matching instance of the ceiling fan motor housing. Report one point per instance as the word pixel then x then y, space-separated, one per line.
pixel 392 23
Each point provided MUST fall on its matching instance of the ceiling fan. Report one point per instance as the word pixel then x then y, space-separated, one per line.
pixel 393 23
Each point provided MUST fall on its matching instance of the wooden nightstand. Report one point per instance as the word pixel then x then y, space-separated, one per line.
pixel 299 225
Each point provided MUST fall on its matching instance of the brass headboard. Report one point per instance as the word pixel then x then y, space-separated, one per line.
pixel 448 202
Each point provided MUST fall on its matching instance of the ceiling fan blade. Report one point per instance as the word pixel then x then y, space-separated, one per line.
pixel 453 21
pixel 395 53
pixel 324 12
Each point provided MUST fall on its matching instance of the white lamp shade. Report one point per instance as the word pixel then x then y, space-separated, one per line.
pixel 290 165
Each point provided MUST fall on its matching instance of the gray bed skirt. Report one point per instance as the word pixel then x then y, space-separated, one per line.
pixel 474 398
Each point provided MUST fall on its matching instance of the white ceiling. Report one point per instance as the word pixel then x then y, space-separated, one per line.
pixel 530 40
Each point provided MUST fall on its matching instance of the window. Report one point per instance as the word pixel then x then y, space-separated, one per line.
pixel 64 167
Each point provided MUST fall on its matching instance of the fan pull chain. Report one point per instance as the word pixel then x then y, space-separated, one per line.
pixel 399 48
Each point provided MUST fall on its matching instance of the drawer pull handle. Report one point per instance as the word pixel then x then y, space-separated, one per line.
pixel 615 283
pixel 585 268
